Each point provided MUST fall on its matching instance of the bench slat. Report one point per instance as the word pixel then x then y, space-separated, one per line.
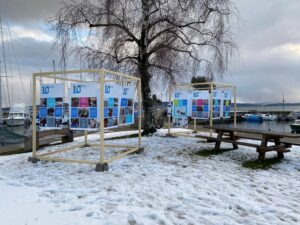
pixel 277 148
pixel 214 139
pixel 252 131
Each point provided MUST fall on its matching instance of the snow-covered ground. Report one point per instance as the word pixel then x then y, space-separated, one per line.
pixel 167 184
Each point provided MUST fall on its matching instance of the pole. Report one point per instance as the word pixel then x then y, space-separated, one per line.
pixel 34 117
pixel 283 101
pixel 234 93
pixel 85 138
pixel 4 61
pixel 169 116
pixel 1 111
pixel 102 116
pixel 211 108
pixel 53 62
pixel 140 112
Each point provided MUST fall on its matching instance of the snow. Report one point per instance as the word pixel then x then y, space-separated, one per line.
pixel 167 184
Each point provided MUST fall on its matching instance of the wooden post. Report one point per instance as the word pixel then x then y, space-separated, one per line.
pixel 234 94
pixel 211 107
pixel 85 138
pixel 233 138
pixel 277 143
pixel 262 149
pixel 195 125
pixel 34 146
pixel 102 116
pixel 218 142
pixel 169 117
pixel 140 111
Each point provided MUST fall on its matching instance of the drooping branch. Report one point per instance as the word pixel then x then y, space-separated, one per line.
pixel 171 39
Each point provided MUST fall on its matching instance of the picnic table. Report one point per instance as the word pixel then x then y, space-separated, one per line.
pixel 279 145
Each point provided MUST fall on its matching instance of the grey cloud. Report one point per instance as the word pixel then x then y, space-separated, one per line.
pixel 269 22
pixel 29 11
pixel 32 55
pixel 260 73
pixel 265 70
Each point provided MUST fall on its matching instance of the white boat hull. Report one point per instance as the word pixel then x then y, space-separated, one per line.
pixel 269 117
pixel 15 122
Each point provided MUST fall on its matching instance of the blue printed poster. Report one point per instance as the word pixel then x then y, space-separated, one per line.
pixel 51 111
pixel 126 115
pixel 84 103
pixel 200 104
pixel 180 104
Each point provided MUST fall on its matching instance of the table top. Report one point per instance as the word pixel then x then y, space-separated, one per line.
pixel 253 131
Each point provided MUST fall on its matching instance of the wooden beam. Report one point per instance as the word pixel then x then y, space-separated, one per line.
pixel 121 155
pixel 61 150
pixel 43 158
pixel 120 74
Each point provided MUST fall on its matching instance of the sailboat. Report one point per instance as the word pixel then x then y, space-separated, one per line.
pixel 1 112
pixel 19 114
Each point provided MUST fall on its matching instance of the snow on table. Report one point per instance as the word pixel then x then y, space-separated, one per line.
pixel 167 184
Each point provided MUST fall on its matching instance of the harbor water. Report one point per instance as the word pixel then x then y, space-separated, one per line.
pixel 273 126
pixel 22 130
pixel 269 108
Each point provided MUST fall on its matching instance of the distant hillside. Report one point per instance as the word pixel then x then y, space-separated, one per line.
pixel 252 104
pixel 270 104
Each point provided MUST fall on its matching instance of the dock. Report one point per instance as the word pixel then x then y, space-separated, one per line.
pixel 45 138
pixel 50 138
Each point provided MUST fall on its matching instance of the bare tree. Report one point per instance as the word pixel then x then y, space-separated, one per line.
pixel 150 37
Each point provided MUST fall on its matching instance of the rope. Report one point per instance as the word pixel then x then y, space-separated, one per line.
pixel 4 60
pixel 15 56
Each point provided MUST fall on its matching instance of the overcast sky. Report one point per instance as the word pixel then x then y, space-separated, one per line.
pixel 268 38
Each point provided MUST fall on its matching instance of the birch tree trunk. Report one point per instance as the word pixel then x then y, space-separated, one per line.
pixel 143 65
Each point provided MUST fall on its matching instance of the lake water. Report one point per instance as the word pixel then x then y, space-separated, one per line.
pixel 278 108
pixel 267 126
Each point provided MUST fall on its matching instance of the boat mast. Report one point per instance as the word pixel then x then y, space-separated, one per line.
pixel 283 101
pixel 4 58
pixel 1 111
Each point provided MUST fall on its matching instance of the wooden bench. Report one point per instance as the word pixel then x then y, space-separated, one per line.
pixel 266 136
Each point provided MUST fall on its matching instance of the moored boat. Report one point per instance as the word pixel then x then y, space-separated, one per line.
pixel 18 115
pixel 253 118
pixel 268 117
pixel 295 127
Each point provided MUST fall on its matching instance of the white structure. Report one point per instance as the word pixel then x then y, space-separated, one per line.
pixel 18 115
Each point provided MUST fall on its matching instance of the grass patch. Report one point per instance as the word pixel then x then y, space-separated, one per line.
pixel 266 164
pixel 210 152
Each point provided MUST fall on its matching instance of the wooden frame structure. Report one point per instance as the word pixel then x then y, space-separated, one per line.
pixel 211 86
pixel 102 163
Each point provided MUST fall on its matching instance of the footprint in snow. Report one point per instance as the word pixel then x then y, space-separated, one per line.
pixel 89 214
pixel 157 219
pixel 75 208
pixel 131 220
